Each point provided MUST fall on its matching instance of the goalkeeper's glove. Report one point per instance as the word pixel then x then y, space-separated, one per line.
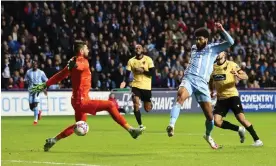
pixel 72 64
pixel 38 88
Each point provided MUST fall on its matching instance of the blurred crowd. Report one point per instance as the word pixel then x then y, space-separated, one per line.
pixel 45 32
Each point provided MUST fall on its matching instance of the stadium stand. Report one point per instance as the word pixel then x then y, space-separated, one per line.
pixel 45 31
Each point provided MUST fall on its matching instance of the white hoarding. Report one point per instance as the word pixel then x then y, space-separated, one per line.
pixel 16 103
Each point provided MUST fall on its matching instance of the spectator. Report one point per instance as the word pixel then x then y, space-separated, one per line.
pixel 13 44
pixel 98 65
pixel 11 84
pixel 239 49
pixel 50 70
pixel 172 22
pixel 16 76
pixel 171 83
pixel 263 82
pixel 169 63
pixel 6 73
pixel 160 64
pixel 105 84
pixel 48 52
pixel 179 77
pixel 34 46
pixel 272 69
pixel 163 52
pixel 271 82
pixel 178 66
pixel 21 83
pixel 47 30
pixel 263 68
pixel 95 79
pixel 118 77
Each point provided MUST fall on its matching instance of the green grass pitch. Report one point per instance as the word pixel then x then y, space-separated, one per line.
pixel 107 144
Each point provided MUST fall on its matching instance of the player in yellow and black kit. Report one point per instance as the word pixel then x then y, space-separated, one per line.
pixel 142 68
pixel 223 79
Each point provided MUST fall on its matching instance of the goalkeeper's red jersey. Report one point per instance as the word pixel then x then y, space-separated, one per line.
pixel 80 78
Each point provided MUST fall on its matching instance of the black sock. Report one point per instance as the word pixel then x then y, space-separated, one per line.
pixel 138 117
pixel 230 126
pixel 122 110
pixel 252 132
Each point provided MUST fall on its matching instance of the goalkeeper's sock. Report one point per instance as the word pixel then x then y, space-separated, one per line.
pixel 209 126
pixel 35 114
pixel 65 133
pixel 115 114
pixel 174 114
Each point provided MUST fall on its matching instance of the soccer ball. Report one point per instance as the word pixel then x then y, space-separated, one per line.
pixel 81 128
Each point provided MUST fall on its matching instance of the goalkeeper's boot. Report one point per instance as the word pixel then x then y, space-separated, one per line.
pixel 242 134
pixel 50 142
pixel 170 131
pixel 211 142
pixel 258 143
pixel 135 132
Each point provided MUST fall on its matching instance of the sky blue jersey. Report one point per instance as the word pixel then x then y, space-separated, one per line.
pixel 202 61
pixel 35 77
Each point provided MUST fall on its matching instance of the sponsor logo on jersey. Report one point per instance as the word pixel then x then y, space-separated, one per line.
pixel 219 77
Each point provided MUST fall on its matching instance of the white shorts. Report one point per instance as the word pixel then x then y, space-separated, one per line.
pixel 34 98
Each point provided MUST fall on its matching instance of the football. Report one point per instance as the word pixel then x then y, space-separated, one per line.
pixel 81 128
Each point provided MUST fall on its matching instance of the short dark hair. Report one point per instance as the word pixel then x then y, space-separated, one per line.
pixel 202 32
pixel 78 44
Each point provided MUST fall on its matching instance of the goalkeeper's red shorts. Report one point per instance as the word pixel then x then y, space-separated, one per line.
pixel 89 106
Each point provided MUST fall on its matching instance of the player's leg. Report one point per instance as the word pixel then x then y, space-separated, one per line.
pixel 249 127
pixel 183 93
pixel 39 114
pixel 223 124
pixel 146 98
pixel 204 99
pixel 209 123
pixel 207 110
pixel 79 116
pixel 33 102
pixel 220 123
pixel 36 111
pixel 236 107
pixel 147 106
pixel 136 95
pixel 50 142
pixel 220 111
pixel 93 106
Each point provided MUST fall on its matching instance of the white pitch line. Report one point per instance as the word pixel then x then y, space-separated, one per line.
pixel 46 162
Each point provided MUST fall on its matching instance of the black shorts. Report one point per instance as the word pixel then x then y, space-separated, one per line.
pixel 144 95
pixel 222 106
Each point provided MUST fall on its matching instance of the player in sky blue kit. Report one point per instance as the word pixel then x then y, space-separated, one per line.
pixel 33 77
pixel 197 76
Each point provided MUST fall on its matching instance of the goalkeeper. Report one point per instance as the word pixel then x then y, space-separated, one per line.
pixel 78 68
